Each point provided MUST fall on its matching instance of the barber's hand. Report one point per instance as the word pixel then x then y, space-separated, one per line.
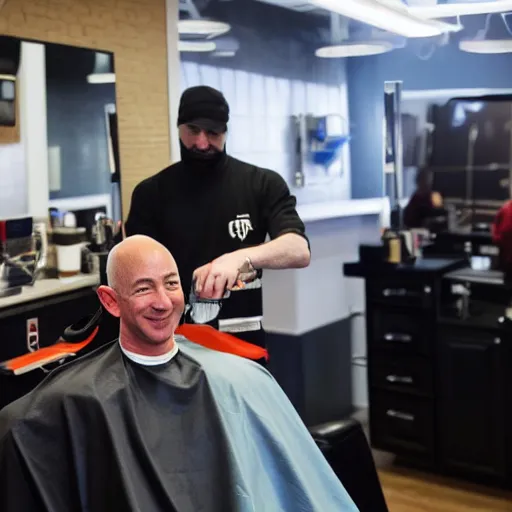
pixel 213 279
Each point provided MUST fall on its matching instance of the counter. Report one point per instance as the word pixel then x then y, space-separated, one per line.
pixel 432 266
pixel 44 288
pixel 348 208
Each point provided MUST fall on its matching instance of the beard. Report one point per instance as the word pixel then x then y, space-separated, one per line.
pixel 201 159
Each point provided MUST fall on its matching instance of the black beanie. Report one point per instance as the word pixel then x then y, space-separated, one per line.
pixel 204 107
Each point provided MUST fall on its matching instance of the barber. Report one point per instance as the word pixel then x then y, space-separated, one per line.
pixel 214 212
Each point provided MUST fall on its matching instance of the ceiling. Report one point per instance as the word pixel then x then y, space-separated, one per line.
pixel 316 25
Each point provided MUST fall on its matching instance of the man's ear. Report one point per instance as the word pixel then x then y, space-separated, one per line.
pixel 108 298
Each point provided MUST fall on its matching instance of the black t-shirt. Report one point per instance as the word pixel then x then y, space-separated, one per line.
pixel 200 216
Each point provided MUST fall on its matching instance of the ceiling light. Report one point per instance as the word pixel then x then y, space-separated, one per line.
pixel 103 72
pixel 486 46
pixel 461 9
pixel 393 19
pixel 101 78
pixel 196 46
pixel 202 27
pixel 354 49
pixel 224 53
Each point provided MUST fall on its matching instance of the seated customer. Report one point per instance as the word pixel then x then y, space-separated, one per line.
pixel 152 422
pixel 424 203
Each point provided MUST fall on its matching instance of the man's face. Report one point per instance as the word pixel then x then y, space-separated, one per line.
pixel 200 141
pixel 150 302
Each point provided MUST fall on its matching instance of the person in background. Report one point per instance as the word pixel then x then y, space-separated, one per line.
pixel 214 213
pixel 152 422
pixel 501 232
pixel 424 203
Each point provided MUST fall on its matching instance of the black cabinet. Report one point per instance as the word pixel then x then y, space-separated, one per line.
pixel 440 384
pixel 401 333
pixel 403 425
pixel 471 402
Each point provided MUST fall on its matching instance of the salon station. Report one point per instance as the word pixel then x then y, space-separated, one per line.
pixel 391 123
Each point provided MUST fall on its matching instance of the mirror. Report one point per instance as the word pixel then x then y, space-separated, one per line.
pixel 59 161
pixel 464 140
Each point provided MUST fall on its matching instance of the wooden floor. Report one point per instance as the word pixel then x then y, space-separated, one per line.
pixel 410 491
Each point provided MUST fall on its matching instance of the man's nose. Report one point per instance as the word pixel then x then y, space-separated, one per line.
pixel 202 141
pixel 162 300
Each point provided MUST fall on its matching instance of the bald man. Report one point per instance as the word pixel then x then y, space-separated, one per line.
pixel 153 422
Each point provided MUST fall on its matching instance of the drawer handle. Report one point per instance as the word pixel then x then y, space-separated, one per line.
pixel 400 415
pixel 400 338
pixel 394 292
pixel 399 380
pixel 403 292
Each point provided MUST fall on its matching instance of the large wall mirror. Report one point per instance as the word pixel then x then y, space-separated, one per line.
pixel 464 138
pixel 59 151
pixel 58 124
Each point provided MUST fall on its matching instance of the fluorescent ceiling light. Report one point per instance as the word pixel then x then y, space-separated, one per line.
pixel 101 78
pixel 196 46
pixel 224 53
pixel 390 18
pixel 486 46
pixel 461 9
pixel 12 78
pixel 354 49
pixel 202 27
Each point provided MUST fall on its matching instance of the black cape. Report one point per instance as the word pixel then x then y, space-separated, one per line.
pixel 204 432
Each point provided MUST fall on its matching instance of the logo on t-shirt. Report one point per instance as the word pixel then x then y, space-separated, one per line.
pixel 240 227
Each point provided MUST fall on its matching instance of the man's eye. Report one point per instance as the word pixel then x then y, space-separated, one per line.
pixel 142 290
pixel 173 283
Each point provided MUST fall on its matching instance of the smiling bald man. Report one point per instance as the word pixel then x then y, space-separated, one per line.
pixel 153 422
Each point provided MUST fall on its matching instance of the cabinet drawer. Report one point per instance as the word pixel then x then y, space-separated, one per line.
pixel 402 293
pixel 402 374
pixel 402 425
pixel 400 331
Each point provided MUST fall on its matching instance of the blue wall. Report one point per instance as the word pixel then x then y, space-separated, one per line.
pixel 447 68
pixel 76 121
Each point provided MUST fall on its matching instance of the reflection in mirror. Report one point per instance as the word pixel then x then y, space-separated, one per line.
pixel 59 163
pixel 464 141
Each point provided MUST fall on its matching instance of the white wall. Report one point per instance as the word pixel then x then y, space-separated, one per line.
pixel 260 127
pixel 13 180
pixel 298 301
pixel 24 166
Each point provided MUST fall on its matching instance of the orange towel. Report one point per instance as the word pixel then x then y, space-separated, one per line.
pixel 209 337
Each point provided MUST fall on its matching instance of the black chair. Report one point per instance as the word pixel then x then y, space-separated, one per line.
pixel 346 448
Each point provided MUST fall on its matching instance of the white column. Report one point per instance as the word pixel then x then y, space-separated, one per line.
pixel 173 75
pixel 33 127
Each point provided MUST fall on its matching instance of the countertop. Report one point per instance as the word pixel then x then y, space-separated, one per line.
pixel 468 275
pixel 431 266
pixel 347 208
pixel 49 287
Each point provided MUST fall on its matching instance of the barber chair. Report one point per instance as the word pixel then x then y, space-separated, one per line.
pixel 346 448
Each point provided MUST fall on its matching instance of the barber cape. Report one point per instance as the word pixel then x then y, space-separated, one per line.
pixel 205 431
